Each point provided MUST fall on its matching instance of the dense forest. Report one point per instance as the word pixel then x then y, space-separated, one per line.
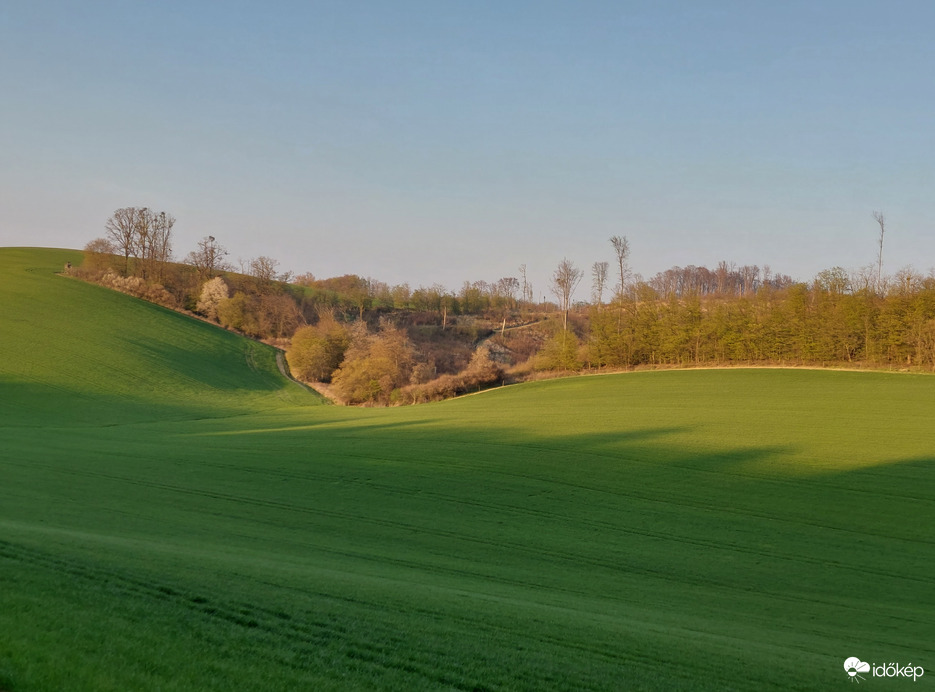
pixel 370 342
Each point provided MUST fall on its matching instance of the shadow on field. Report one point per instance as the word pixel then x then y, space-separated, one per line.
pixel 227 365
pixel 548 541
pixel 413 550
pixel 35 404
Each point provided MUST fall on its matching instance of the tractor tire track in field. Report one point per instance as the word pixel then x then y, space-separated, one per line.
pixel 304 634
pixel 297 640
pixel 668 537
pixel 552 555
pixel 616 528
pixel 630 493
pixel 304 637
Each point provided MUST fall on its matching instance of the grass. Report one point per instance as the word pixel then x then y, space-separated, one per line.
pixel 174 515
pixel 84 355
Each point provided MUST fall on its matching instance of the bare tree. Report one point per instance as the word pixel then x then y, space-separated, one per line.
pixel 446 301
pixel 907 282
pixel 723 274
pixel 507 287
pixel 143 239
pixel 833 281
pixel 121 229
pixel 527 286
pixel 622 250
pixel 599 276
pixel 878 217
pixel 160 241
pixel 143 234
pixel 278 315
pixel 863 279
pixel 208 257
pixel 565 280
pixel 98 254
pixel 305 279
pixel 750 277
pixel 263 270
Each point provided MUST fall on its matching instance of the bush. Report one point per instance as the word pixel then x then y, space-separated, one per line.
pixel 98 256
pixel 238 312
pixel 135 286
pixel 317 351
pixel 559 353
pixel 212 293
pixel 481 372
pixel 374 365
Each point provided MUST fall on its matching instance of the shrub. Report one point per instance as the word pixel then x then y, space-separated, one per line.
pixel 135 286
pixel 481 372
pixel 212 293
pixel 317 351
pixel 374 365
pixel 238 312
pixel 98 256
pixel 559 353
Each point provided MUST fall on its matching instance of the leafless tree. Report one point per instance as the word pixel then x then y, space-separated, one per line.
pixel 159 249
pixel 565 280
pixel 881 221
pixel 121 229
pixel 862 279
pixel 264 272
pixel 599 277
pixel 305 279
pixel 622 249
pixel 98 254
pixel 907 282
pixel 723 274
pixel 144 234
pixel 507 287
pixel 278 315
pixel 750 278
pixel 446 301
pixel 142 239
pixel 208 257
pixel 527 294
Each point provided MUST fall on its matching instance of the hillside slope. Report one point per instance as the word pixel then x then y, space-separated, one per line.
pixel 82 354
pixel 173 517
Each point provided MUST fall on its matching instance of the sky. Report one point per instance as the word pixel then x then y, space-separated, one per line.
pixel 442 142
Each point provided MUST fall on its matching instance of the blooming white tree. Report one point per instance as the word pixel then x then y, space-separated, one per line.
pixel 212 293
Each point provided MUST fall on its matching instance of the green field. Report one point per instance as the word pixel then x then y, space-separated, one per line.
pixel 175 515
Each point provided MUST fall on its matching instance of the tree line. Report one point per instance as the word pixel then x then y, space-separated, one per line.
pixel 138 245
pixel 374 343
pixel 377 343
pixel 836 319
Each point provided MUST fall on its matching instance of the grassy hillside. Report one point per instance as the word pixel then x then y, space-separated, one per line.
pixel 185 521
pixel 83 354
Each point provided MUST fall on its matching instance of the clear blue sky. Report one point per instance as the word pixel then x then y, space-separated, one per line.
pixel 447 141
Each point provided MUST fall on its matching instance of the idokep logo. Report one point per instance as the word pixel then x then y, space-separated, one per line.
pixel 854 667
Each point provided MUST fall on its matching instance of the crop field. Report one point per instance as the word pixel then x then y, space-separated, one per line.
pixel 176 515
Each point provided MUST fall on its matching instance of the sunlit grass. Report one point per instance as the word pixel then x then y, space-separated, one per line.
pixel 81 354
pixel 184 526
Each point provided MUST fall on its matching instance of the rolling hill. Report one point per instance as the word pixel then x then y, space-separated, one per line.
pixel 175 515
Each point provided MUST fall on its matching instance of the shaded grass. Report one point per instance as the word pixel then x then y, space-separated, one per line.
pixel 675 530
pixel 81 354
